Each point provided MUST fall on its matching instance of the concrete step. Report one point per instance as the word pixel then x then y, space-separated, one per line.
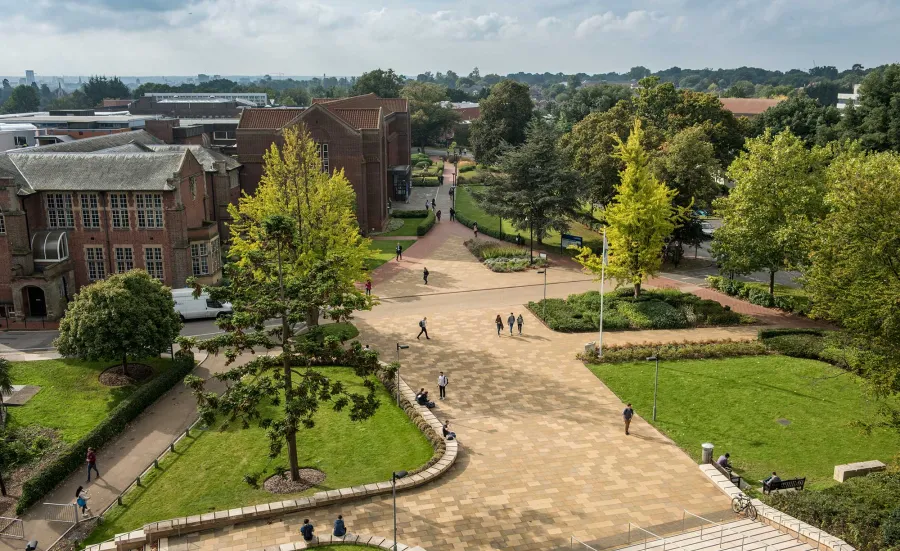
pixel 740 535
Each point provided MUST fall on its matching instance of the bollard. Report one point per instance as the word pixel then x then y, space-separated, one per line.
pixel 156 463
pixel 119 500
pixel 706 454
pixel 172 447
pixel 187 431
pixel 137 481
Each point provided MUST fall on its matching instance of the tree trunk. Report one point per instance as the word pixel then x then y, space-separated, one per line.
pixel 772 284
pixel 125 364
pixel 637 290
pixel 2 486
pixel 290 435
pixel 312 317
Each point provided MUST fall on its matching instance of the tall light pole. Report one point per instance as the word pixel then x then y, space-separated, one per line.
pixel 655 358
pixel 394 478
pixel 397 375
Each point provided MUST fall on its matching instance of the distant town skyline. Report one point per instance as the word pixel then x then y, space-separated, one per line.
pixel 348 37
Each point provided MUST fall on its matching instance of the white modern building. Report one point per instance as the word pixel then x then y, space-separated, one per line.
pixel 258 99
pixel 844 99
pixel 16 135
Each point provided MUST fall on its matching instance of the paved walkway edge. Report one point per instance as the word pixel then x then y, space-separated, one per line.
pixel 446 452
pixel 787 524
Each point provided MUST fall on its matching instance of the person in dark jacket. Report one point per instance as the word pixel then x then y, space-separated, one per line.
pixel 307 530
pixel 339 529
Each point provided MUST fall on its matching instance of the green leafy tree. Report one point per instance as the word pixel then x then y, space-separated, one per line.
pixel 805 117
pixel 22 99
pixel 768 218
pixel 853 276
pixel 640 219
pixel 384 84
pixel 128 315
pixel 875 120
pixel 296 251
pixel 536 190
pixel 589 99
pixel 98 88
pixel 741 89
pixel 428 119
pixel 687 163
pixel 505 115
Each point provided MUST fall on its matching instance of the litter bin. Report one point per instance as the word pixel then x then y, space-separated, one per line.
pixel 707 454
pixel 590 347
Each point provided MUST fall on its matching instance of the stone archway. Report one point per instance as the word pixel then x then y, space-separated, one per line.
pixel 35 301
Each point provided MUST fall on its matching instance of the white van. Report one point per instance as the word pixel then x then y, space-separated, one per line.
pixel 201 307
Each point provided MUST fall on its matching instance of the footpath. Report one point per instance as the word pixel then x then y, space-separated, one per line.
pixel 120 461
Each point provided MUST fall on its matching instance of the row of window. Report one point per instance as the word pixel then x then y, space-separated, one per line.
pixel 2 225
pixel 205 260
pixel 149 208
pixel 322 151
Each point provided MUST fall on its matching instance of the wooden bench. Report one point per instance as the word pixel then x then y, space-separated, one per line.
pixel 791 484
pixel 735 479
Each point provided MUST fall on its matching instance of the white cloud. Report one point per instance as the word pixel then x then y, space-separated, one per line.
pixel 549 23
pixel 633 21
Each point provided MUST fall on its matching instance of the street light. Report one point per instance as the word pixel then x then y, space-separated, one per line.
pixel 655 358
pixel 397 375
pixel 394 477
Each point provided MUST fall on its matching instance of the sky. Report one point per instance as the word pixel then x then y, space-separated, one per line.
pixel 348 37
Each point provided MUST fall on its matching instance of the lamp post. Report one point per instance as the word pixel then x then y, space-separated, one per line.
pixel 655 358
pixel 394 477
pixel 397 375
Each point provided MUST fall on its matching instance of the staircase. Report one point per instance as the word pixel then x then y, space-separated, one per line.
pixel 740 535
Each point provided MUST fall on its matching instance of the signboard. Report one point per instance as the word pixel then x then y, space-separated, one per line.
pixel 567 240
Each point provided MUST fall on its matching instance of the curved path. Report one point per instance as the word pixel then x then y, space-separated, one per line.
pixel 544 455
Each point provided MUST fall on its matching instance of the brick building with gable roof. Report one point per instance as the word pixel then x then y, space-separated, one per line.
pixel 366 136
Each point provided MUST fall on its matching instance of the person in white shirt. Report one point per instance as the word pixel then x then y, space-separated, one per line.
pixel 442 384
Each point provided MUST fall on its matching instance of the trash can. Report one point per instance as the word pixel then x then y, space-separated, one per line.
pixel 590 348
pixel 707 454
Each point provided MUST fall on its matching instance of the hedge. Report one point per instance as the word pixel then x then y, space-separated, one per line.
pixel 409 213
pixel 425 225
pixel 758 293
pixel 72 459
pixel 427 181
pixel 676 351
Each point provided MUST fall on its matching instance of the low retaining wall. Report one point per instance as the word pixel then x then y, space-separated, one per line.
pixel 362 540
pixel 444 457
pixel 787 524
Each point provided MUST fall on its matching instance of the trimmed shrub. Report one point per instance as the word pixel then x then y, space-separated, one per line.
pixel 758 293
pixel 505 265
pixel 417 158
pixel 48 477
pixel 410 213
pixel 466 167
pixel 425 225
pixel 676 351
pixel 559 316
pixel 427 181
pixel 769 333
pixel 502 251
pixel 652 314
pixel 797 346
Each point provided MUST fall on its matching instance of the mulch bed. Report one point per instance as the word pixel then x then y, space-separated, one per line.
pixel 116 376
pixel 17 478
pixel 283 485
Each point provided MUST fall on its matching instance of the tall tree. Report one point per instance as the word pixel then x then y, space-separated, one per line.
pixel 536 191
pixel 768 218
pixel 639 220
pixel 22 99
pixel 875 121
pixel 428 118
pixel 805 117
pixel 505 115
pixel 587 100
pixel 384 84
pixel 854 273
pixel 687 163
pixel 296 251
pixel 124 316
pixel 98 88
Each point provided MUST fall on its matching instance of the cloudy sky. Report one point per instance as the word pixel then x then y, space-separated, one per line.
pixel 347 37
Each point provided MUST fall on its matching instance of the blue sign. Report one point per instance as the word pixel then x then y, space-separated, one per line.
pixel 566 240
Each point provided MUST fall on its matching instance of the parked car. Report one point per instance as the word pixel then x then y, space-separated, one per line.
pixel 190 307
pixel 706 228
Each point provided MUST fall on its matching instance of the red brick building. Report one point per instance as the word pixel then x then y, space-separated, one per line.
pixel 367 136
pixel 71 213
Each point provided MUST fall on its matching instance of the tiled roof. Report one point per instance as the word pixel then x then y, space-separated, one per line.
pixel 359 118
pixel 468 113
pixel 206 156
pixel 98 171
pixel 748 106
pixel 267 118
pixel 368 101
pixel 88 145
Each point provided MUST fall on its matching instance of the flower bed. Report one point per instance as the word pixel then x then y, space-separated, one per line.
pixel 500 257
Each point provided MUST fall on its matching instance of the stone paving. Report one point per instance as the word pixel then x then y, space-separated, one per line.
pixel 544 454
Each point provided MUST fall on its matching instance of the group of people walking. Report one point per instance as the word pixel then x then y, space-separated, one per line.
pixel 512 320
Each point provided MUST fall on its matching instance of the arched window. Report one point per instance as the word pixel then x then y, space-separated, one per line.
pixel 50 246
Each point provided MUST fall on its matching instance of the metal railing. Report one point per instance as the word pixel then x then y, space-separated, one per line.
pixel 61 512
pixel 721 525
pixel 12 528
pixel 658 537
pixel 788 527
pixel 573 539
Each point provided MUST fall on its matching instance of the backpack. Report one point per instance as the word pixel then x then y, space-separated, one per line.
pixel 422 323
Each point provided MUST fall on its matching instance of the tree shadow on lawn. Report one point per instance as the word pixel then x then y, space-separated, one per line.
pixel 688 374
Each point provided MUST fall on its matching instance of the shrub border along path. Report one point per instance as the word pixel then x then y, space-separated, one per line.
pixel 445 455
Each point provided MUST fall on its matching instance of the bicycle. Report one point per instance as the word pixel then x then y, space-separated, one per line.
pixel 742 503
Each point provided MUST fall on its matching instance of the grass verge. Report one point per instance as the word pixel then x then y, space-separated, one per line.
pixel 382 252
pixel 406 230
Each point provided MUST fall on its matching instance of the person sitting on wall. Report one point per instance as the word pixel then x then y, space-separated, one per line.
pixel 422 399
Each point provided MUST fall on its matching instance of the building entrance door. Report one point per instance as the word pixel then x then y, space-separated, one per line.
pixel 37 304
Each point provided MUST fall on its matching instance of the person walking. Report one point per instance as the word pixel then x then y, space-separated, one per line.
pixel 399 252
pixel 452 214
pixel 426 206
pixel 423 325
pixel 340 529
pixel 520 321
pixel 307 530
pixel 475 228
pixel 81 498
pixel 438 215
pixel 433 203
pixel 443 381
pixel 368 287
pixel 627 415
pixel 511 320
pixel 499 322
pixel 92 463
pixel 425 275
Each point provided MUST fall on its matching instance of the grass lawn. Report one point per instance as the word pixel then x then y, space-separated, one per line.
pixel 737 403
pixel 383 251
pixel 71 400
pixel 467 206
pixel 407 229
pixel 207 475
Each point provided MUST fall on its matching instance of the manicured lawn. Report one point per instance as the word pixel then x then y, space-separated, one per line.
pixel 71 400
pixel 467 206
pixel 407 229
pixel 737 403
pixel 207 475
pixel 383 251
